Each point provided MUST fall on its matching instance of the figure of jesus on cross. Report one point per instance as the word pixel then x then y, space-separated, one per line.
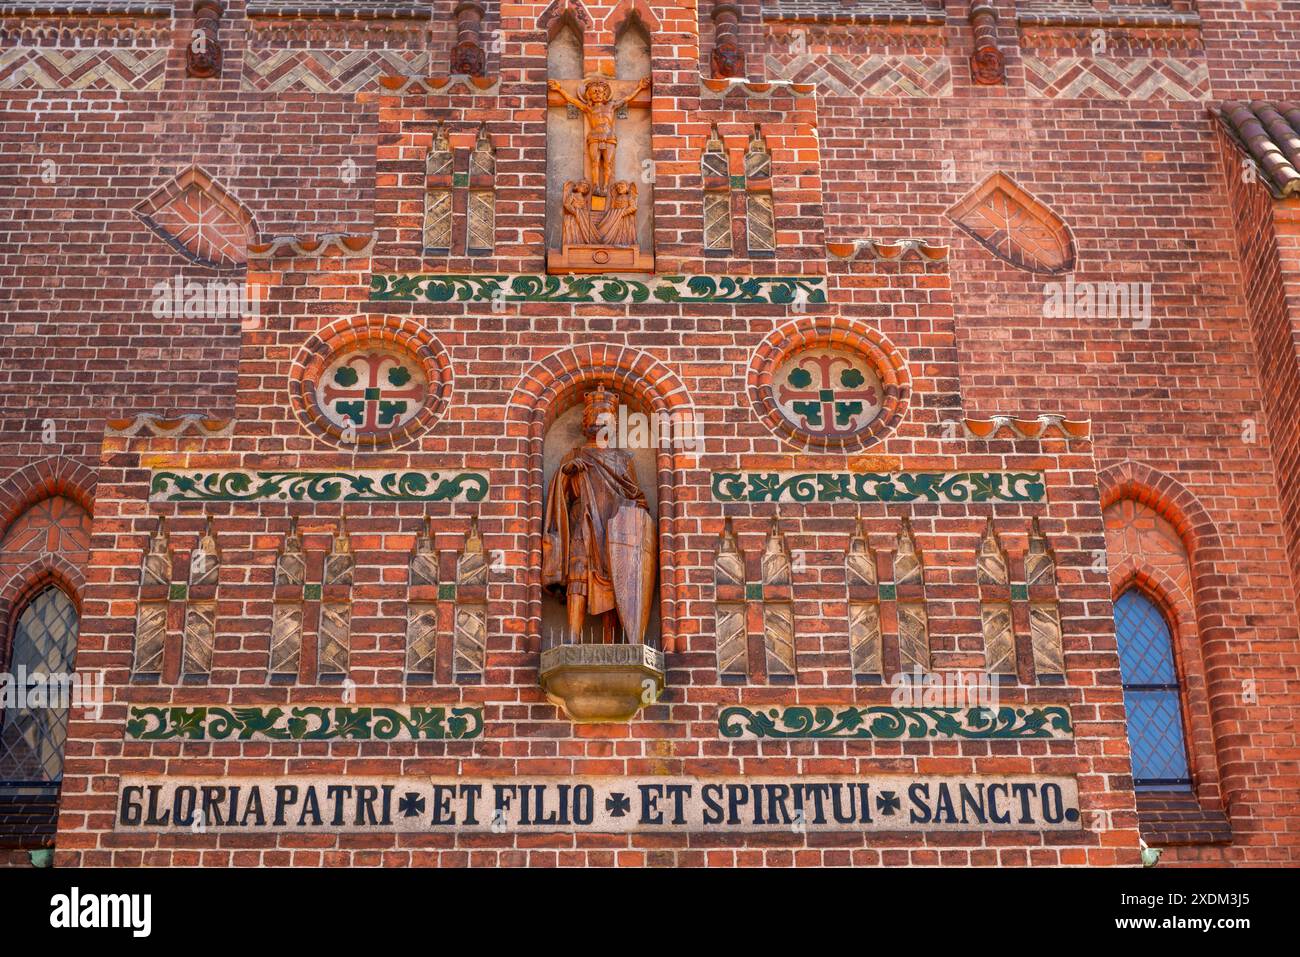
pixel 596 102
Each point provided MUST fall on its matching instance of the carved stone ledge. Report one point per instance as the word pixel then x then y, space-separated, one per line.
pixel 449 83
pixel 887 251
pixel 331 244
pixel 594 683
pixel 598 259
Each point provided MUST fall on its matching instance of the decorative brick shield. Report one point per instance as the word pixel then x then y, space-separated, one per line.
pixel 200 220
pixel 1014 226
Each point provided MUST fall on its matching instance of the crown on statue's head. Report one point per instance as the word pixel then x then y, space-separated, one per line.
pixel 600 401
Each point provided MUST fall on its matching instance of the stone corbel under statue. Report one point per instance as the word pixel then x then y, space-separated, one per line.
pixel 599 213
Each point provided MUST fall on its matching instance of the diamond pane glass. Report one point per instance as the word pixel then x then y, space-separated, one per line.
pixel 31 739
pixel 1155 736
pixel 1151 695
pixel 1146 655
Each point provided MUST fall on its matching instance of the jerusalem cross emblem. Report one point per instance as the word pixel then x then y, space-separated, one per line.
pixel 828 395
pixel 371 391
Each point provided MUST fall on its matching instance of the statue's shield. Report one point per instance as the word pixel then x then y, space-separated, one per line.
pixel 632 568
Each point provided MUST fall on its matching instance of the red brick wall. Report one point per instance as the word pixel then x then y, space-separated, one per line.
pixel 1140 184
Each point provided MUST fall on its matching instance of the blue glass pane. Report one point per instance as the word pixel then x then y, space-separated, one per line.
pixel 1155 720
pixel 1155 735
pixel 1145 651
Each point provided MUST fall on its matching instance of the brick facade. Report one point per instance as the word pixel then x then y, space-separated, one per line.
pixel 919 214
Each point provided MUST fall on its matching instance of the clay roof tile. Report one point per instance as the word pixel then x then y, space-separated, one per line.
pixel 1269 132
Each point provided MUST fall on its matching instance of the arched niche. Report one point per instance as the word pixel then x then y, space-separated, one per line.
pixel 632 62
pixel 562 434
pixel 564 127
pixel 551 388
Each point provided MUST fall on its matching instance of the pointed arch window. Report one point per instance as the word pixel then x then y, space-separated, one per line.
pixel 1152 696
pixel 44 644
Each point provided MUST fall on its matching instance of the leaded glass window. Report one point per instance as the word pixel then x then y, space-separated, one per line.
pixel 44 644
pixel 1152 698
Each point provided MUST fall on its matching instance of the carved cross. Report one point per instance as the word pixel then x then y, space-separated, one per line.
pixel 375 398
pixel 826 406
pixel 599 113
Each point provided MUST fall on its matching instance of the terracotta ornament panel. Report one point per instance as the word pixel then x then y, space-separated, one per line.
pixel 1014 226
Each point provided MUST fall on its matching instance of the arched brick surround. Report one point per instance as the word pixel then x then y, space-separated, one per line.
pixel 559 13
pixel 52 476
pixel 1200 640
pixel 56 555
pixel 620 16
pixel 550 387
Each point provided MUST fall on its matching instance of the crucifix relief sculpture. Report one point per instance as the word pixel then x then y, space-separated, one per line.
pixel 595 103
pixel 598 230
pixel 598 541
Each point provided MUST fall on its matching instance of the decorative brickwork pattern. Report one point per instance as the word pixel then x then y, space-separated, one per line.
pixel 200 634
pixel 341 57
pixel 288 617
pixel 438 179
pixel 120 70
pixel 1130 78
pixel 864 606
pixel 993 577
pixel 729 580
pixel 151 616
pixel 1044 615
pixel 760 222
pixel 422 609
pixel 1015 227
pixel 913 618
pixel 873 75
pixel 469 641
pixel 778 607
pixel 200 220
pixel 715 177
pixel 335 634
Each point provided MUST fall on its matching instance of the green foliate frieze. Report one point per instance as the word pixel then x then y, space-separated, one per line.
pixel 305 723
pixel 887 722
pixel 366 485
pixel 878 487
pixel 602 289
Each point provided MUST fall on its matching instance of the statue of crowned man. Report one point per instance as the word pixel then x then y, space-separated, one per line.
pixel 598 537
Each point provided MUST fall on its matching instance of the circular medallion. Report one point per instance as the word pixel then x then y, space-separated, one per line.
pixel 829 384
pixel 370 382
pixel 370 393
